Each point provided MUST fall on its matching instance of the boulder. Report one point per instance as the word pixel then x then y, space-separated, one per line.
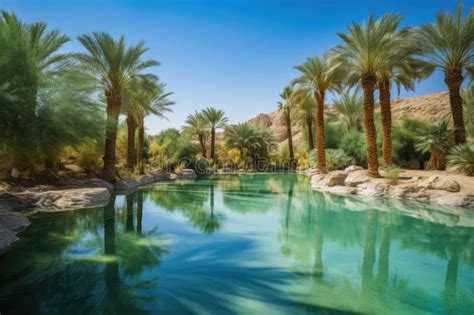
pixel 439 183
pixel 335 178
pixel 7 238
pixel 188 174
pixel 127 184
pixel 455 200
pixel 316 180
pixel 12 220
pixel 341 190
pixel 149 179
pixel 374 189
pixel 353 168
pixel 173 176
pixel 69 198
pixel 356 178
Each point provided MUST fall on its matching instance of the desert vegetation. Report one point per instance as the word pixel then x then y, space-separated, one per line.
pixel 88 108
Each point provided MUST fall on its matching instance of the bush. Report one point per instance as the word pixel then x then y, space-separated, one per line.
pixel 353 143
pixel 337 159
pixel 392 174
pixel 461 159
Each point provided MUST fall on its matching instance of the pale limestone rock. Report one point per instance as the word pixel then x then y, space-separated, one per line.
pixel 341 190
pixel 439 183
pixel 188 174
pixel 69 198
pixel 356 178
pixel 335 178
pixel 353 168
pixel 374 189
pixel 455 200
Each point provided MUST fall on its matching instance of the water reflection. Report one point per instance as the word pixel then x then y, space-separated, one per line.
pixel 243 244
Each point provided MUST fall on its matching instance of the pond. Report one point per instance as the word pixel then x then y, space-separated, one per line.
pixel 249 244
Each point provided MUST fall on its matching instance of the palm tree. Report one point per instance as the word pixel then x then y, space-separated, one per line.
pixel 305 114
pixel 215 119
pixel 114 65
pixel 366 49
pixel 144 96
pixel 448 45
pixel 30 55
pixel 320 75
pixel 350 109
pixel 251 141
pixel 437 141
pixel 288 96
pixel 196 126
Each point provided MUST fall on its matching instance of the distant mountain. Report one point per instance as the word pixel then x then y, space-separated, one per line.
pixel 430 107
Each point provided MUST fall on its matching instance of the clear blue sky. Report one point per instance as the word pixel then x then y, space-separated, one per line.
pixel 233 55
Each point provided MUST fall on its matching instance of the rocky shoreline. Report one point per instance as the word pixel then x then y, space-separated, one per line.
pixel 436 189
pixel 67 194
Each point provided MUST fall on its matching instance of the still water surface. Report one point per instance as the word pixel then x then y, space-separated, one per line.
pixel 242 245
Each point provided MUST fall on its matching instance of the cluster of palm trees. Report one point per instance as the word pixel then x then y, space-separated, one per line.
pixel 119 69
pixel 31 56
pixel 203 125
pixel 380 55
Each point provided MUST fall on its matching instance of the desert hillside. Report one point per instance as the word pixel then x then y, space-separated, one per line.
pixel 430 107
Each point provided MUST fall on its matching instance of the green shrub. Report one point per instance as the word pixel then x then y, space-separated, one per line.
pixel 337 159
pixel 392 174
pixel 461 159
pixel 353 143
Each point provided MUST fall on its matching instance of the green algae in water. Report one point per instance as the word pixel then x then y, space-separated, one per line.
pixel 245 244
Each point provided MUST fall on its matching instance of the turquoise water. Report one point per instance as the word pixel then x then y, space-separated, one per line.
pixel 262 244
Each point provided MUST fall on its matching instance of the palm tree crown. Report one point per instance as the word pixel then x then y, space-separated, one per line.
pixel 448 44
pixel 215 119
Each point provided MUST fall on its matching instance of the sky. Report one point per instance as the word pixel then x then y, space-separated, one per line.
pixel 235 55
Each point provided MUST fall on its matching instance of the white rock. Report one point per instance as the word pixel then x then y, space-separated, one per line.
pixel 455 200
pixel 356 178
pixel 69 198
pixel 353 168
pixel 187 174
pixel 335 178
pixel 374 189
pixel 439 183
pixel 341 190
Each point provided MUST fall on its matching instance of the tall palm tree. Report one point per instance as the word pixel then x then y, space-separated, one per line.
pixel 320 75
pixel 196 126
pixel 350 109
pixel 288 96
pixel 401 70
pixel 448 45
pixel 366 49
pixel 305 114
pixel 215 119
pixel 154 101
pixel 29 56
pixel 114 65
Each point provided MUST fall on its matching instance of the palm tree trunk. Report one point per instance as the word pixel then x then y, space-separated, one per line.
pixel 213 140
pixel 368 85
pixel 203 146
pixel 131 127
pixel 386 117
pixel 309 125
pixel 139 211
pixel 454 80
pixel 141 141
pixel 290 138
pixel 321 145
pixel 113 110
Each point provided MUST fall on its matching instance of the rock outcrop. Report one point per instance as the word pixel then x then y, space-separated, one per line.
pixel 435 189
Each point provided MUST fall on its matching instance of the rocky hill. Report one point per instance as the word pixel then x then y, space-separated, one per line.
pixel 430 107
